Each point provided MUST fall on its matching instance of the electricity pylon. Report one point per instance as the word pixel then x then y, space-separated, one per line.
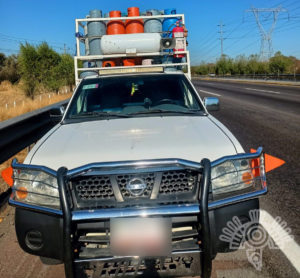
pixel 221 37
pixel 266 49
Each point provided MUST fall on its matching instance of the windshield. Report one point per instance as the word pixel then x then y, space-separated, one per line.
pixel 134 95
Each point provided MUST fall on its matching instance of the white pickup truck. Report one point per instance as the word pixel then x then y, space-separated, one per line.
pixel 139 147
pixel 137 178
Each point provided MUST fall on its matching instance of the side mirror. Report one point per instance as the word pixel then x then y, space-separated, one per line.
pixel 211 103
pixel 56 113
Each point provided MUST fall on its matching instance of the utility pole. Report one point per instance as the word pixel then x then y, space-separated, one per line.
pixel 66 48
pixel 266 48
pixel 221 36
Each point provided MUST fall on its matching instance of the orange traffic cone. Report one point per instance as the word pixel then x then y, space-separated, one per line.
pixel 271 162
pixel 7 175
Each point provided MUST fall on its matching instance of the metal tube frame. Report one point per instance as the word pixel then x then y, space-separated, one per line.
pixel 79 22
pixel 203 219
pixel 139 166
pixel 203 229
pixel 201 208
pixel 67 223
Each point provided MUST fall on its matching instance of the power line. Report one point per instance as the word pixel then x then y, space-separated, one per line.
pixel 238 39
pixel 9 38
pixel 26 39
pixel 9 50
pixel 209 45
pixel 244 48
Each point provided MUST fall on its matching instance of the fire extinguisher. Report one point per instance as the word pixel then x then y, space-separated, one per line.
pixel 178 35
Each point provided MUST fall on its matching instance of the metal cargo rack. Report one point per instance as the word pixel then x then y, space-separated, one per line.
pixel 92 58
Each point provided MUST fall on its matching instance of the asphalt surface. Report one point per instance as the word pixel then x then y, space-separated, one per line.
pixel 267 116
pixel 258 115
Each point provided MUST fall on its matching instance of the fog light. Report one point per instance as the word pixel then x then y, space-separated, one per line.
pixel 34 240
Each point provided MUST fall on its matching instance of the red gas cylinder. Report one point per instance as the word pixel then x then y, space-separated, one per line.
pixel 128 62
pixel 115 27
pixel 134 25
pixel 178 35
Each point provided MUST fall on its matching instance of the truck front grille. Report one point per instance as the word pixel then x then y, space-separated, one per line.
pixel 177 182
pixel 93 188
pixel 107 190
pixel 123 180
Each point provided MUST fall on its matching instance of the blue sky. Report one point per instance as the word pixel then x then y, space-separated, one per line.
pixel 53 21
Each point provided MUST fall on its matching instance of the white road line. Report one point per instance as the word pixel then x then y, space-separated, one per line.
pixel 264 91
pixel 279 233
pixel 206 92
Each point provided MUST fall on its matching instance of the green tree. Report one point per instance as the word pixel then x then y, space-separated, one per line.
pixel 9 70
pixel 202 69
pixel 66 70
pixel 240 64
pixel 28 62
pixel 253 64
pixel 211 68
pixel 280 64
pixel 48 66
pixel 263 67
pixel 2 59
pixel 224 65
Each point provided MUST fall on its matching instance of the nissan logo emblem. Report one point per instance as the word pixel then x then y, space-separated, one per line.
pixel 136 186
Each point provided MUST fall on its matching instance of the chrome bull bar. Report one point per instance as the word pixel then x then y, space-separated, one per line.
pixel 199 208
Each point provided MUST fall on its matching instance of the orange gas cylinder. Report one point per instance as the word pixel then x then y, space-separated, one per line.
pixel 107 64
pixel 134 25
pixel 115 27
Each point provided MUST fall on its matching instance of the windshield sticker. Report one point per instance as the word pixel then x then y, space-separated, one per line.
pixel 90 86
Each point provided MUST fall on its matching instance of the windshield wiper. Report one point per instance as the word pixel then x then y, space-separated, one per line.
pixel 191 112
pixel 99 114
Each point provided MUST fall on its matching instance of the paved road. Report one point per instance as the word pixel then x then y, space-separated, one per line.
pixel 258 115
pixel 267 116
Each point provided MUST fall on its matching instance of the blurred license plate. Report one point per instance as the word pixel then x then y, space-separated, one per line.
pixel 140 236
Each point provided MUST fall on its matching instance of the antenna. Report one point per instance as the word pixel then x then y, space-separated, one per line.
pixel 266 48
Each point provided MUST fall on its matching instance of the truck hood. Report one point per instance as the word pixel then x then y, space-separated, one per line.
pixel 186 137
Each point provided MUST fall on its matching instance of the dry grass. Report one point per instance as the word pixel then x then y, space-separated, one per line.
pixel 10 93
pixel 13 93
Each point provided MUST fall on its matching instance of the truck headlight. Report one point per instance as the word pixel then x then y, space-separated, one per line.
pixel 36 188
pixel 234 176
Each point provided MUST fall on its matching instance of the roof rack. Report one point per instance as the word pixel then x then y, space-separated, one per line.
pixel 84 40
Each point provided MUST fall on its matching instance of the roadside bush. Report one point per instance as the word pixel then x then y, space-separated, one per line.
pixel 280 64
pixel 66 70
pixel 42 68
pixel 9 70
pixel 47 67
pixel 241 65
pixel 29 68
